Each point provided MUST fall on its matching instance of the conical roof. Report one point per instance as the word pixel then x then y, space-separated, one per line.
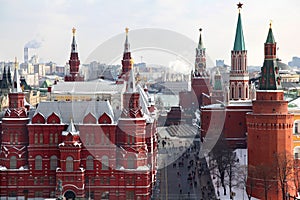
pixel 239 43
pixel 270 37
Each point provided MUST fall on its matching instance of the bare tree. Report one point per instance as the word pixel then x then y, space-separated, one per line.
pixel 297 174
pixel 225 162
pixel 245 182
pixel 284 163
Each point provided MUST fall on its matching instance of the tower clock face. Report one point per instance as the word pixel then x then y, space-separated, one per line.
pixel 200 65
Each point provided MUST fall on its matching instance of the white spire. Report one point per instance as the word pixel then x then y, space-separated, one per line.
pixel 16 80
pixel 130 88
pixel 71 129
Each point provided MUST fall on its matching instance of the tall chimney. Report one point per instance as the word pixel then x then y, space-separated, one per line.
pixel 25 54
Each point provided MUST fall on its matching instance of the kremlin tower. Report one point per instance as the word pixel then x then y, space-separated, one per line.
pixel 239 76
pixel 200 77
pixel 270 129
pixel 74 63
pixel 127 61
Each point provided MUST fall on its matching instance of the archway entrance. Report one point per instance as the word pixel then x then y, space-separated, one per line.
pixel 69 195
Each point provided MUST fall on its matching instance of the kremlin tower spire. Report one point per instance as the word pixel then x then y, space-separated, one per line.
pixel 74 62
pixel 200 61
pixel 239 76
pixel 270 128
pixel 200 77
pixel 127 61
pixel 270 79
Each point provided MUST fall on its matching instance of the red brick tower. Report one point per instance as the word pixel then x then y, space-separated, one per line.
pixel 14 136
pixel 132 154
pixel 200 77
pixel 239 76
pixel 269 132
pixel 70 172
pixel 127 62
pixel 74 63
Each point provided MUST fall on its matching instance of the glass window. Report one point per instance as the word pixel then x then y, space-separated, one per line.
pixel 53 163
pixel 105 163
pixel 296 127
pixel 38 163
pixel 36 139
pixel 51 138
pixel 56 138
pixel 130 162
pixel 13 162
pixel 89 163
pixel 69 164
pixel 41 138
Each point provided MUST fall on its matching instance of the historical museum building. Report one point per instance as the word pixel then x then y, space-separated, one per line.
pixel 79 149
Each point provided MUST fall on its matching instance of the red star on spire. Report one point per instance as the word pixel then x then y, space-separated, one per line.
pixel 239 5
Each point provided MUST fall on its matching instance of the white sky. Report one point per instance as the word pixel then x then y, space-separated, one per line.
pixel 51 21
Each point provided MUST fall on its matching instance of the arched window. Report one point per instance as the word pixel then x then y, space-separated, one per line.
pixel 232 92
pixel 130 162
pixel 53 163
pixel 69 164
pixel 38 163
pixel 89 163
pixel 13 162
pixel 240 92
pixel 105 163
pixel 297 152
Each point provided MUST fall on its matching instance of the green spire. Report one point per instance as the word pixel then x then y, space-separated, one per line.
pixel 239 43
pixel 270 38
pixel 218 84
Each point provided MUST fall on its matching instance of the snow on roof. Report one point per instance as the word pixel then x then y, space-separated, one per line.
pixel 91 87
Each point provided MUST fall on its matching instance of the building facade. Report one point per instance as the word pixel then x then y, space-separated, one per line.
pixel 270 128
pixel 79 149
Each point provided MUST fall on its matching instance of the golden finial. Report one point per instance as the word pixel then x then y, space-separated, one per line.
pixel 271 23
pixel 126 30
pixel 73 31
pixel 16 63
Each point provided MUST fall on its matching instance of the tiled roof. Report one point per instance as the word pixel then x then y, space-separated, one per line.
pixel 75 110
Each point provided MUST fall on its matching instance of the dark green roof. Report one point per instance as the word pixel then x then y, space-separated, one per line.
pixel 200 44
pixel 270 38
pixel 239 43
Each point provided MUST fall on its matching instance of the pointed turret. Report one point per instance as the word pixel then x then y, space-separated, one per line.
pixel 270 79
pixel 16 87
pixel 71 129
pixel 200 61
pixel 270 37
pixel 239 76
pixel 130 87
pixel 73 45
pixel 127 61
pixel 239 43
pixel 74 62
pixel 9 77
pixel 218 83
pixel 126 45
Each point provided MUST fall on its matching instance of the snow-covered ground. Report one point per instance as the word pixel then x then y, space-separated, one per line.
pixel 239 191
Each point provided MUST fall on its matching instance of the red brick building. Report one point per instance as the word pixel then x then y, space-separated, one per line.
pixel 78 149
pixel 230 115
pixel 270 129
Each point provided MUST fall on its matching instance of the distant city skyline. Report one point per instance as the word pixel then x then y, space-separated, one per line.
pixel 50 23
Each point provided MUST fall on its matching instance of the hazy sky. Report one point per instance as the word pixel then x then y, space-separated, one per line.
pixel 50 22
